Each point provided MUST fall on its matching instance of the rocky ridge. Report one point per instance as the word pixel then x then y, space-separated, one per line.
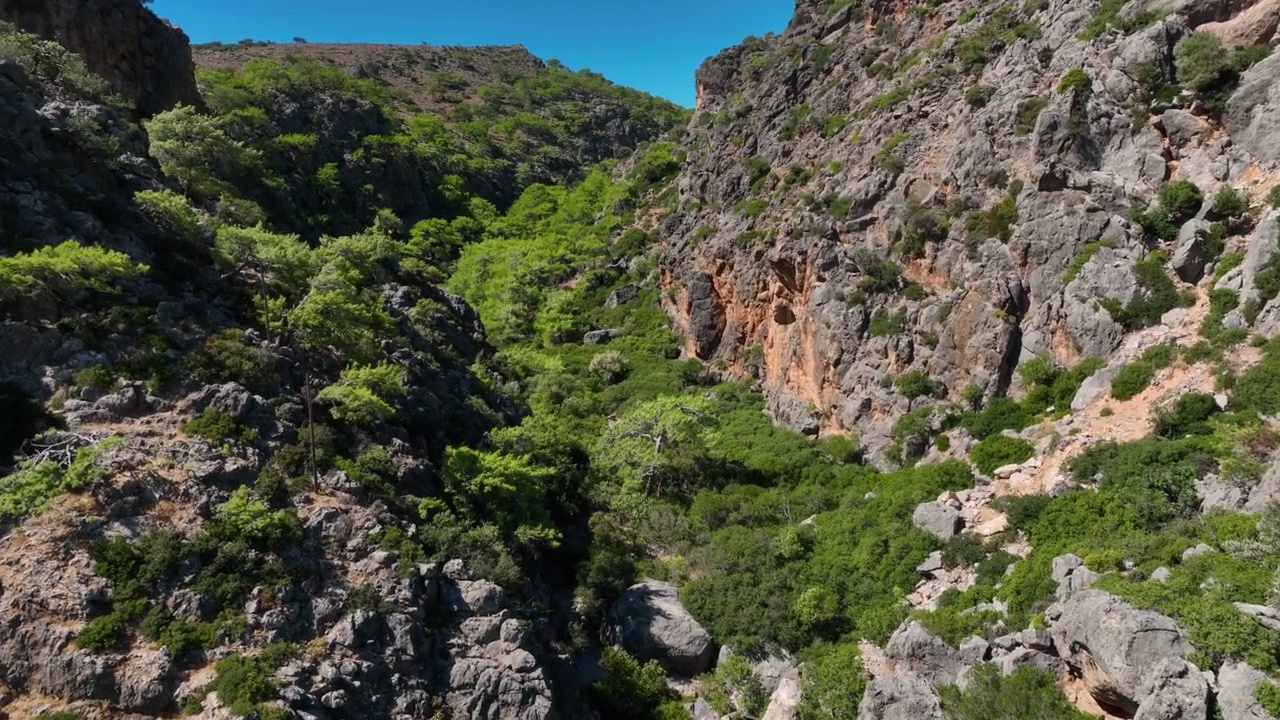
pixel 876 133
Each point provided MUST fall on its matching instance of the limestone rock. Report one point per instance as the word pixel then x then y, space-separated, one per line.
pixel 785 702
pixel 1174 690
pixel 650 622
pixel 902 696
pixel 941 521
pixel 1237 682
pixel 915 649
pixel 1112 645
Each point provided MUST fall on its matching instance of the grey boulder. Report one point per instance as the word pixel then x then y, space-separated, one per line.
pixel 650 622
pixel 1112 645
pixel 941 521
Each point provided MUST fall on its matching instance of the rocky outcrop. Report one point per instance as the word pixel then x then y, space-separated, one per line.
pixel 833 211
pixel 941 521
pixel 1112 646
pixel 144 58
pixel 650 622
pixel 903 696
pixel 1071 575
pixel 1237 684
pixel 1174 690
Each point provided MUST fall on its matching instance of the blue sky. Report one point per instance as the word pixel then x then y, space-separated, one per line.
pixel 653 45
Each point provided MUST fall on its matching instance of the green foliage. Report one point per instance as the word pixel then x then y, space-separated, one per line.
pixel 629 690
pixel 1156 295
pixel 1182 199
pixel 59 715
pixel 1027 114
pixel 1204 610
pixel 1108 18
pixel 1002 28
pixel 242 518
pixel 887 159
pixel 361 394
pixel 998 450
pixel 1136 376
pixel 1268 696
pixel 1025 694
pixel 243 685
pixel 1083 258
pixel 218 426
pixel 832 685
pixel 52 64
pixel 995 222
pixel 1001 413
pixel 1258 389
pixel 914 385
pixel 1188 416
pixel 64 272
pixel 1200 59
pixel 979 95
pixel 886 324
pixel 1273 197
pixel 1075 80
pixel 32 486
pixel 506 489
pixel 171 212
pixel 1230 203
pixel 226 358
pixel 194 150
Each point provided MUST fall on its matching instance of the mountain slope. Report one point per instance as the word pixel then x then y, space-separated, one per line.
pixel 881 190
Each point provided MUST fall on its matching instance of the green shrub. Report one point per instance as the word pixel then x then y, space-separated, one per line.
pixel 243 685
pixel 914 385
pixel 59 715
pixel 629 690
pixel 1230 203
pixel 1258 389
pixel 998 450
pixel 1025 694
pixel 833 684
pixel 964 549
pixel 1268 696
pixel 1187 416
pixel 60 272
pixel 33 486
pixel 1182 199
pixel 1200 60
pixel 55 65
pixel 226 358
pixel 1027 114
pixel 979 95
pixel 1273 197
pixel 887 159
pixel 1075 79
pixel 98 377
pixel 1156 295
pixel 170 212
pixel 1081 259
pixel 886 324
pixel 254 522
pixel 1132 379
pixel 1001 413
pixel 218 426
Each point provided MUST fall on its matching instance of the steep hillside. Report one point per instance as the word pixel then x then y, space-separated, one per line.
pixel 144 59
pixel 887 188
pixel 497 117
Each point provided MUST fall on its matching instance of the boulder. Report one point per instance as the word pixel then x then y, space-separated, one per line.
pixel 600 337
pixel 1265 615
pixel 1253 113
pixel 1175 690
pixel 1189 256
pixel 1111 645
pixel 1027 657
pixel 974 650
pixel 1237 683
pixel 902 696
pixel 650 622
pixel 913 648
pixel 784 704
pixel 1071 575
pixel 941 521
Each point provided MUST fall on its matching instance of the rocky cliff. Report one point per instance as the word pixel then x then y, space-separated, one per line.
pixel 144 58
pixel 888 187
